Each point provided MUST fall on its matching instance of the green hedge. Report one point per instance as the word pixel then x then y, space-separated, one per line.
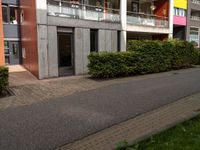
pixel 3 80
pixel 143 57
pixel 199 57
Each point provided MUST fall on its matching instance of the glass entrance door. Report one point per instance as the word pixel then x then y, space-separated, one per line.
pixel 11 49
pixel 66 53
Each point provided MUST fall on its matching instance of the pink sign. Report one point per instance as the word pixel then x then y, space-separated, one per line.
pixel 179 20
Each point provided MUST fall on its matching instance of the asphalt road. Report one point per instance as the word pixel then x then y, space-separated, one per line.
pixel 47 125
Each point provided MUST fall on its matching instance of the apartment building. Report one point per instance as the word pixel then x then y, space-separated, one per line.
pixel 193 28
pixel 53 38
pixel 180 19
pixel 10 28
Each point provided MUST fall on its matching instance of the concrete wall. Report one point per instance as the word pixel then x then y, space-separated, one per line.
pixel 52 51
pixel 107 40
pixel 42 37
pixel 81 50
pixel 78 23
pixel 191 23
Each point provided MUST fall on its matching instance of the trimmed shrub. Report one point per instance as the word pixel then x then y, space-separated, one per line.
pixel 143 57
pixel 3 80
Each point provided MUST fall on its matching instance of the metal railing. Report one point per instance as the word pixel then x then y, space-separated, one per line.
pixel 196 2
pixel 195 18
pixel 147 20
pixel 81 11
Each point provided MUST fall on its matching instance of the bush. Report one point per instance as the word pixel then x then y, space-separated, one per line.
pixel 199 58
pixel 143 57
pixel 3 80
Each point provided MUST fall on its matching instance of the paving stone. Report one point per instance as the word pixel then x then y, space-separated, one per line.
pixel 140 127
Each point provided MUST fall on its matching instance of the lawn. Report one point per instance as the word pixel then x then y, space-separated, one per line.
pixel 185 136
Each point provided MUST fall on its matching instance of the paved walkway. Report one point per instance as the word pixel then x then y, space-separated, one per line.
pixel 60 111
pixel 140 127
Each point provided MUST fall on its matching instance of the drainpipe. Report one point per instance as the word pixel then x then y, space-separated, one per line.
pixel 171 17
pixel 123 17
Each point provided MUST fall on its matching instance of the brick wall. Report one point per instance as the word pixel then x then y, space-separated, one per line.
pixel 29 35
pixel 2 59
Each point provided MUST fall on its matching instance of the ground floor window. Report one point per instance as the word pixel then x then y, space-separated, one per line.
pixel 6 51
pixel 93 40
pixel 194 35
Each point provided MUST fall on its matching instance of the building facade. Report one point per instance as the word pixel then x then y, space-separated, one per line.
pixel 193 27
pixel 54 37
pixel 11 29
pixel 180 19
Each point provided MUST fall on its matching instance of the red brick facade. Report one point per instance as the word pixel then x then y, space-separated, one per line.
pixel 2 58
pixel 29 35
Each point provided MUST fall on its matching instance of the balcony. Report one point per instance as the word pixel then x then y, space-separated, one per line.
pixel 82 11
pixel 140 19
pixel 195 18
pixel 196 2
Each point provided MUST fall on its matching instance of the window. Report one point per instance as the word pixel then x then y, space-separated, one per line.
pixel 5 14
pixel 194 35
pixel 10 14
pixel 7 52
pixel 179 12
pixel 93 40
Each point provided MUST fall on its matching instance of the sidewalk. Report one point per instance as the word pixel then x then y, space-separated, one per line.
pixel 56 112
pixel 141 127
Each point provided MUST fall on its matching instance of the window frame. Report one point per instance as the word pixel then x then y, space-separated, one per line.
pixel 8 8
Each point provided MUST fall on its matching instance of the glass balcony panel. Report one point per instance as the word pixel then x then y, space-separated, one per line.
pixel 87 12
pixel 146 20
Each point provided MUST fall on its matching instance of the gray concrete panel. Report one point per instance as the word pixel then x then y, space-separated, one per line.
pixel 78 50
pixel 42 51
pixel 108 40
pixel 101 40
pixel 52 51
pixel 114 41
pixel 86 49
pixel 78 23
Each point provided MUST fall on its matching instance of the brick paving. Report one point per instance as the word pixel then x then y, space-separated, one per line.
pixel 31 90
pixel 132 130
pixel 28 90
pixel 141 127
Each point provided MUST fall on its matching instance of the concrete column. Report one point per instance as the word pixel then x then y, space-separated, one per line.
pixel 41 21
pixel 188 21
pixel 52 51
pixel 86 49
pixel 123 17
pixel 171 17
pixel 41 6
pixel 42 51
pixel 81 50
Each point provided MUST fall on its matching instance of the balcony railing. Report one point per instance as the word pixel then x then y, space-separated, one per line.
pixel 147 20
pixel 195 18
pixel 86 12
pixel 196 2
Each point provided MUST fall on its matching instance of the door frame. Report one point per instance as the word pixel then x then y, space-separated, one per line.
pixel 10 50
pixel 72 68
